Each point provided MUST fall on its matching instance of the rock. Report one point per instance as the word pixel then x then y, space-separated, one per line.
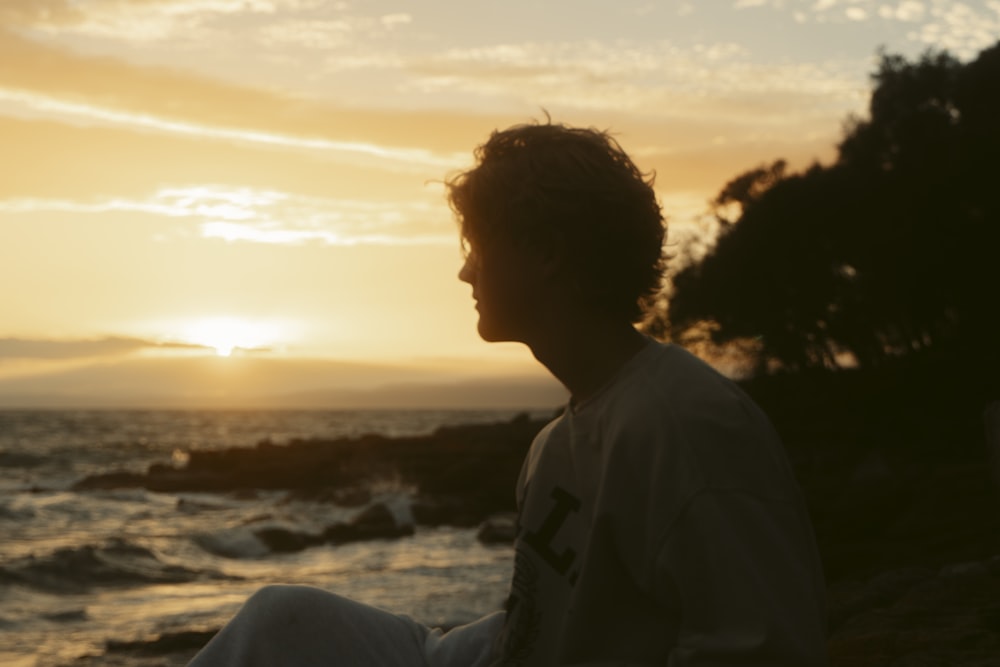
pixel 873 497
pixel 498 529
pixel 444 511
pixel 351 496
pixel 377 521
pixel 190 506
pixel 965 569
pixel 355 496
pixel 991 422
pixel 233 543
pixel 280 539
pixel 68 616
pixel 110 480
pixel 475 463
pixel 168 642
pixel 850 598
pixel 948 617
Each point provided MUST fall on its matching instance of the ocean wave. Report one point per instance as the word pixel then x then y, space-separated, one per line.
pixel 389 517
pixel 239 542
pixel 21 460
pixel 115 563
pixel 166 643
pixel 10 512
pixel 167 648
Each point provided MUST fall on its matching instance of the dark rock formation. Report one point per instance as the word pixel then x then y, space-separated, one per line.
pixel 475 463
pixel 498 529
pixel 167 643
pixel 918 616
pixel 280 539
pixel 378 521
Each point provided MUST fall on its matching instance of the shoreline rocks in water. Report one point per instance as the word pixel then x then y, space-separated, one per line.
pixel 910 542
pixel 462 474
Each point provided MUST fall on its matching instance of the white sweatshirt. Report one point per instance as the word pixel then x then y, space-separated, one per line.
pixel 660 524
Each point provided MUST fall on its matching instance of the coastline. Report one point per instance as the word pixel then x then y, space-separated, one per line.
pixel 910 544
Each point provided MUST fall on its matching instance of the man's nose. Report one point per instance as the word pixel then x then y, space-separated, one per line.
pixel 468 271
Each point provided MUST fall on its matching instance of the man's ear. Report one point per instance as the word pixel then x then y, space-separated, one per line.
pixel 549 248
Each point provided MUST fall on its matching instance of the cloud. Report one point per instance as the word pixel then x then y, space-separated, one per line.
pixel 269 216
pixel 111 346
pixel 123 131
pixel 392 20
pixel 312 34
pixel 70 14
pixel 664 80
pixel 907 11
pixel 285 219
pixel 716 80
pixel 99 169
pixel 963 28
pixel 35 12
pixel 399 157
pixel 349 34
pixel 310 24
pixel 960 28
pixel 50 82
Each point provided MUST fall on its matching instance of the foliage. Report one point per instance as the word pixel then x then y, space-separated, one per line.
pixel 892 250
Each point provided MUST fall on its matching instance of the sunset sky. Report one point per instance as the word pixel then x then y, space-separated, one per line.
pixel 240 200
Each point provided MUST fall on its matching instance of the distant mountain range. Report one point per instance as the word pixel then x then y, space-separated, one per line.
pixel 261 382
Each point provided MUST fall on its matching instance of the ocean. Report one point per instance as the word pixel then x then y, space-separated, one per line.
pixel 135 578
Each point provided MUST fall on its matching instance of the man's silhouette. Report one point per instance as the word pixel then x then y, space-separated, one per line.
pixel 660 523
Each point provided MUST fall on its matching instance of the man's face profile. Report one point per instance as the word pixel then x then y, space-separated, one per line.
pixel 505 285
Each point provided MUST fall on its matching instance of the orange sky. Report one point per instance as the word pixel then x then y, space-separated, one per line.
pixel 188 183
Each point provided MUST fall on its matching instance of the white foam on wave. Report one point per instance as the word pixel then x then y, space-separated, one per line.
pixel 239 542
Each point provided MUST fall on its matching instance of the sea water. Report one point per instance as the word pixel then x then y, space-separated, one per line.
pixel 84 572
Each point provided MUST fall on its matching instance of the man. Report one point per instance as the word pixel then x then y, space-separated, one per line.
pixel 660 523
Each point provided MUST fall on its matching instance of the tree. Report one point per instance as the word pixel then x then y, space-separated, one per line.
pixel 892 250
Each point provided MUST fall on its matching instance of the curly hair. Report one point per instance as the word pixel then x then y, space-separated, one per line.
pixel 580 184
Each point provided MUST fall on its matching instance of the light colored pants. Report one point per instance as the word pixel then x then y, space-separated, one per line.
pixel 301 626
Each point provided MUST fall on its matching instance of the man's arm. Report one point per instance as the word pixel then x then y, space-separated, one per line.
pixel 745 573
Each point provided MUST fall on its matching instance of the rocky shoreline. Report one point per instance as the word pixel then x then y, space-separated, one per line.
pixel 459 475
pixel 911 545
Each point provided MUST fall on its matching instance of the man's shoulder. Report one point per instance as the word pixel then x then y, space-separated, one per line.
pixel 669 378
pixel 680 407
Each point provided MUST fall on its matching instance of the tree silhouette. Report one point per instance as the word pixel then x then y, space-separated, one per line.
pixel 891 251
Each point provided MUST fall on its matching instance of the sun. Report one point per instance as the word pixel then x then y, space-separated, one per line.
pixel 226 334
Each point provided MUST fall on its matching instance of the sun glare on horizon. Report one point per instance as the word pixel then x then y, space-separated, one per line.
pixel 227 334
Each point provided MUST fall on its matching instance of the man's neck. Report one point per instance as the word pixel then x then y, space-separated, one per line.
pixel 587 357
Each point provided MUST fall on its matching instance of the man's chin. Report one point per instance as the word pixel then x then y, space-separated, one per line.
pixel 491 334
pixel 488 335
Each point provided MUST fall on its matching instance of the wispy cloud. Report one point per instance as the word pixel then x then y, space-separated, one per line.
pixel 959 27
pixel 662 79
pixel 907 11
pixel 150 17
pixel 73 88
pixel 310 24
pixel 395 157
pixel 52 349
pixel 241 214
pixel 963 28
pixel 312 34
